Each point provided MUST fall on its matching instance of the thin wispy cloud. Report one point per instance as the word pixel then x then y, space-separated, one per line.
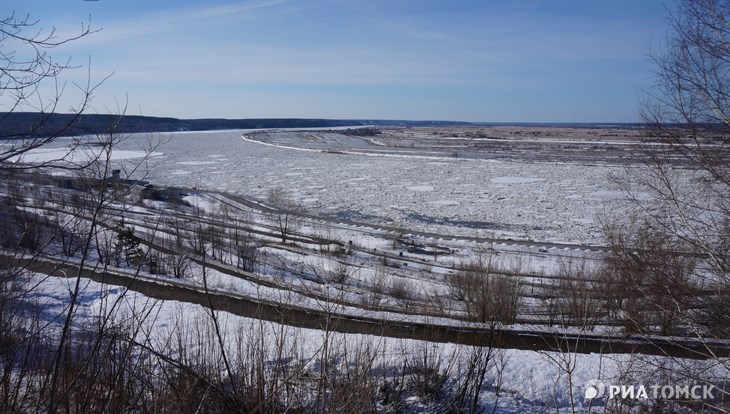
pixel 169 21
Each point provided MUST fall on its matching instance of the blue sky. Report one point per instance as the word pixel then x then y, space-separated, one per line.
pixel 492 61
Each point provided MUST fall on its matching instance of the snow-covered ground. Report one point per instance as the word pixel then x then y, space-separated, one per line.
pixel 530 382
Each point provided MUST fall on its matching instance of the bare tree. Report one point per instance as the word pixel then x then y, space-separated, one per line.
pixel 285 212
pixel 578 297
pixel 682 193
pixel 245 249
pixel 687 144
pixel 99 195
pixel 686 174
pixel 489 297
pixel 24 72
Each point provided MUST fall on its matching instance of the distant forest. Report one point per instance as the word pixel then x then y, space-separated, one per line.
pixel 34 124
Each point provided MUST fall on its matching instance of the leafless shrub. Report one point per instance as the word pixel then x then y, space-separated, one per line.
pixel 391 389
pixel 374 295
pixel 285 212
pixel 488 297
pixel 426 376
pixel 341 273
pixel 352 382
pixel 380 281
pixel 178 264
pixel 400 290
pixel 70 235
pixel 246 255
pixel 650 279
pixel 216 236
pixel 328 243
pixel 33 232
pixel 155 263
pixel 713 316
pixel 473 374
pixel 197 242
pixel 437 301
pixel 577 299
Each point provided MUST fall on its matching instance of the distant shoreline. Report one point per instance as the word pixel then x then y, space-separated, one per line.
pixel 34 124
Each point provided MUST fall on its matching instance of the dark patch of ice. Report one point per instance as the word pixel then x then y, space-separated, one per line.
pixel 473 224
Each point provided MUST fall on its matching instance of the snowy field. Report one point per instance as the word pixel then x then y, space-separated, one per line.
pixel 528 381
pixel 549 202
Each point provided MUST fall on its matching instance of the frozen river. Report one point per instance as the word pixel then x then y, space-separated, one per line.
pixel 543 201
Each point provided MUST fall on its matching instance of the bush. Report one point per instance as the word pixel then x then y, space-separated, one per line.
pixel 488 297
pixel 650 279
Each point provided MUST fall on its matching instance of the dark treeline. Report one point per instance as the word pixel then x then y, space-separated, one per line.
pixel 33 124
